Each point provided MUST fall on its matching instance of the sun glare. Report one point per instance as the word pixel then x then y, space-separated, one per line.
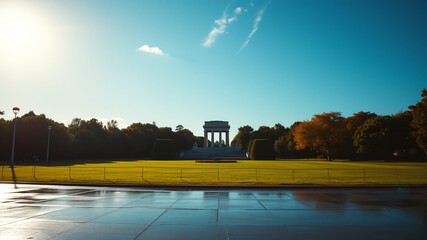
pixel 23 33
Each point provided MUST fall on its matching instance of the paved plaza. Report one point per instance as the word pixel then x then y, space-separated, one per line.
pixel 81 212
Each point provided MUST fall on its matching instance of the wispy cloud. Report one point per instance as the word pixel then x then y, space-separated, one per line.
pixel 258 19
pixel 220 25
pixel 151 50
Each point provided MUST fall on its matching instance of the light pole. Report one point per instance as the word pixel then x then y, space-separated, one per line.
pixel 15 111
pixel 49 128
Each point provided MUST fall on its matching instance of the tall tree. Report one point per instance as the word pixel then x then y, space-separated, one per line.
pixel 285 145
pixel 419 121
pixel 387 137
pixel 373 138
pixel 5 138
pixel 141 138
pixel 243 136
pixel 264 132
pixel 184 140
pixel 179 128
pixel 279 130
pixel 403 141
pixel 91 138
pixel 32 136
pixel 324 133
pixel 112 125
pixel 352 123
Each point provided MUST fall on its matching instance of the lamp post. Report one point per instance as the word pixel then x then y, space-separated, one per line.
pixel 15 111
pixel 49 128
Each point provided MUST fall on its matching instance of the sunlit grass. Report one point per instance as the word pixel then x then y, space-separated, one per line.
pixel 240 173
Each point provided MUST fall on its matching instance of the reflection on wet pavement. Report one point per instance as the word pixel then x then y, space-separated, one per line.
pixel 67 212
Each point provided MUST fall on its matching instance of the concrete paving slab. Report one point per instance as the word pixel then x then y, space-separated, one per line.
pixel 283 204
pixel 103 231
pixel 187 232
pixel 76 214
pixel 240 204
pixel 83 212
pixel 196 204
pixel 130 216
pixel 188 217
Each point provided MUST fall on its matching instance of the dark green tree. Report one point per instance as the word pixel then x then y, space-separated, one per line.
pixel 112 126
pixel 373 138
pixel 141 139
pixel 91 130
pixel 403 141
pixel 264 132
pixel 243 136
pixel 31 138
pixel 166 133
pixel 200 141
pixel 279 130
pixel 352 123
pixel 5 139
pixel 419 121
pixel 184 140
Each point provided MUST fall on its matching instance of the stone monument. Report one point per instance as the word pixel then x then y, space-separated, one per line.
pixel 213 127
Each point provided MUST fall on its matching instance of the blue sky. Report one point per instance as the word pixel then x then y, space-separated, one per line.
pixel 184 62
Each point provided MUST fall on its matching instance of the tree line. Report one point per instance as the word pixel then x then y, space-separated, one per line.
pixel 364 135
pixel 84 139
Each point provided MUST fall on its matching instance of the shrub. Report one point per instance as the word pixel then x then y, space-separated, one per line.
pixel 164 149
pixel 262 149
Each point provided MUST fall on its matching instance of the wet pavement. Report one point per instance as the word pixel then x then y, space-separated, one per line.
pixel 78 212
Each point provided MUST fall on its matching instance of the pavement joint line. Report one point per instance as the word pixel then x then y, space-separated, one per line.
pixel 149 225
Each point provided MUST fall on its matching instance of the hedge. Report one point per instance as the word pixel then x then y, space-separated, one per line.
pixel 262 149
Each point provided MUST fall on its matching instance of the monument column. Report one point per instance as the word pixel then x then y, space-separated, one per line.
pixel 220 138
pixel 206 139
pixel 212 139
pixel 227 139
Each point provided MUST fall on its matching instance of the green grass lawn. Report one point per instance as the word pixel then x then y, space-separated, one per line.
pixel 245 172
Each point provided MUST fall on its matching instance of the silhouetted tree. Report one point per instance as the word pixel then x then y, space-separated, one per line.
pixel 184 140
pixel 279 130
pixel 141 138
pixel 264 132
pixel 373 138
pixel 5 139
pixel 352 123
pixel 419 121
pixel 166 133
pixel 179 128
pixel 200 141
pixel 112 125
pixel 243 136
pixel 403 141
pixel 31 138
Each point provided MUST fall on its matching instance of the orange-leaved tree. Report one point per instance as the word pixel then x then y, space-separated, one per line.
pixel 324 133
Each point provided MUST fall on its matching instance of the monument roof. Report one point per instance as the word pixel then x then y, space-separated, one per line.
pixel 216 124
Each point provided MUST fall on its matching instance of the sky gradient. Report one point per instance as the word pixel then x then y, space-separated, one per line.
pixel 184 62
